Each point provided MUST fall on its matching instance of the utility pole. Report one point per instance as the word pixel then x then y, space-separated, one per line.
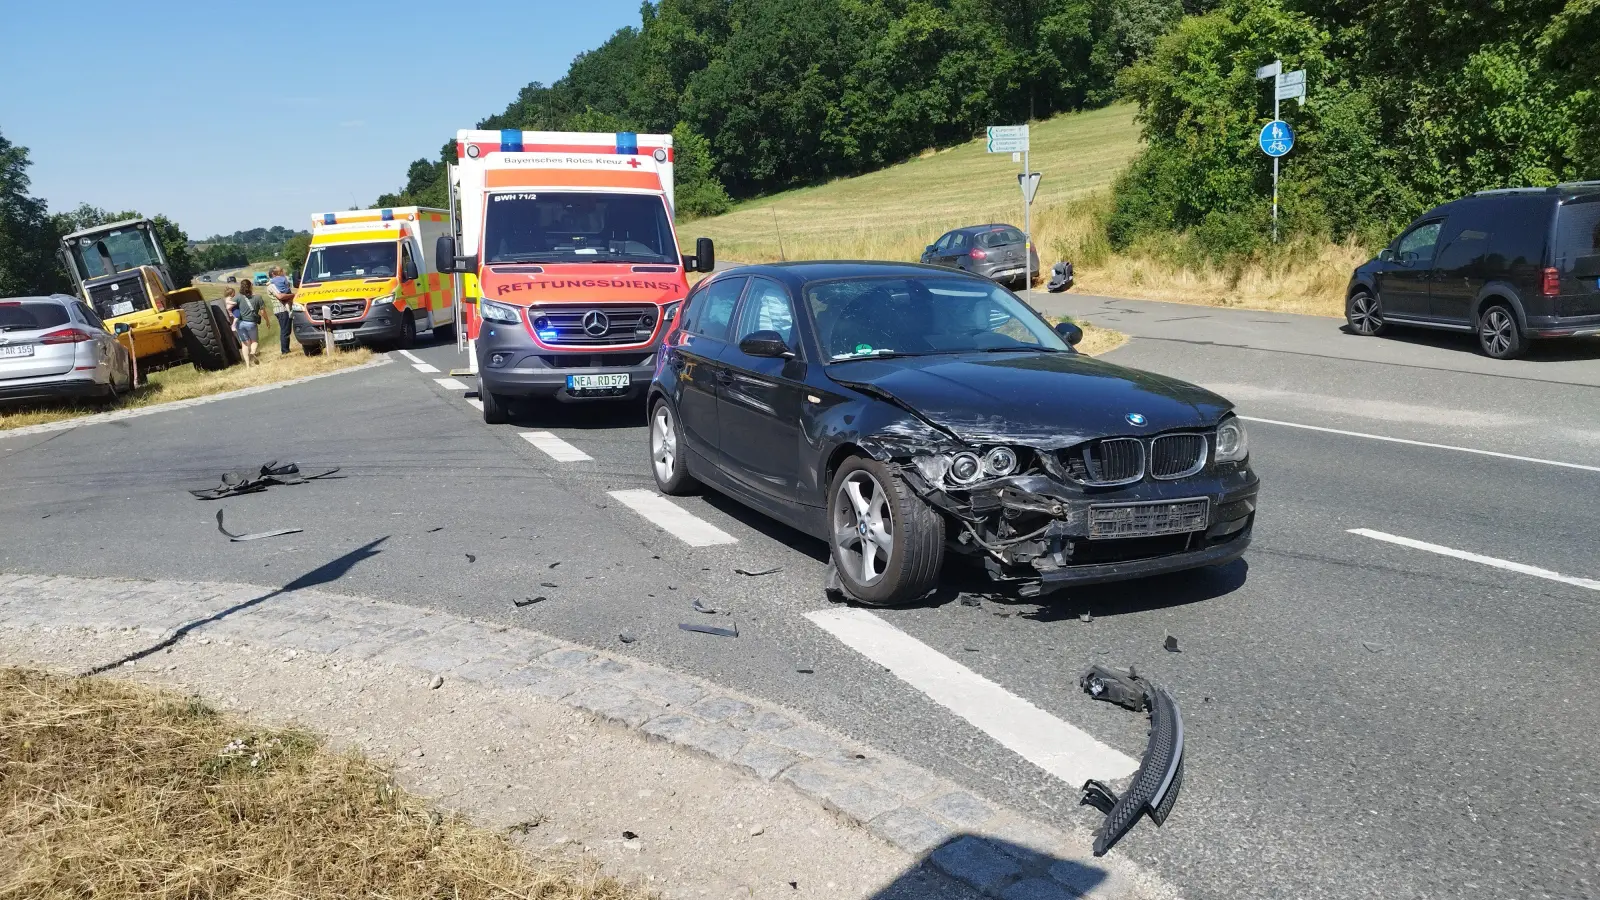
pixel 1277 138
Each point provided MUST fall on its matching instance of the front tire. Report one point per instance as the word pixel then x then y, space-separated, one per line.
pixel 408 332
pixel 203 339
pixel 1498 334
pixel 494 406
pixel 667 461
pixel 1364 313
pixel 887 544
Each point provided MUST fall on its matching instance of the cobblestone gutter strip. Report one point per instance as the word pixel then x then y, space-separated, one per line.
pixel 995 850
pixel 120 414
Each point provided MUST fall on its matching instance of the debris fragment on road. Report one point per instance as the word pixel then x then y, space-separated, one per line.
pixel 236 538
pixel 703 607
pixel 554 564
pixel 759 572
pixel 626 637
pixel 527 601
pixel 1171 643
pixel 718 630
pixel 1086 617
pixel 436 683
pixel 1155 786
pixel 805 668
pixel 471 558
pixel 236 483
pixel 1374 648
pixel 968 600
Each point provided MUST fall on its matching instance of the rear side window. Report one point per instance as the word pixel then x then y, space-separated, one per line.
pixel 999 237
pixel 1578 239
pixel 711 310
pixel 20 315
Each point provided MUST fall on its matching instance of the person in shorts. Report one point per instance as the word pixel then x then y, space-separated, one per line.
pixel 251 309
pixel 279 286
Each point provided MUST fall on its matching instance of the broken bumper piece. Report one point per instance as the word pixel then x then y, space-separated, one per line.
pixel 1155 786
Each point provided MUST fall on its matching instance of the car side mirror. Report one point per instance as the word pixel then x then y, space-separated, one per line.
pixel 444 250
pixel 408 270
pixel 705 255
pixel 1386 255
pixel 1069 332
pixel 767 344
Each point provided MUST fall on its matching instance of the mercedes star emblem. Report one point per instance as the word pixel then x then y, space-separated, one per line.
pixel 595 323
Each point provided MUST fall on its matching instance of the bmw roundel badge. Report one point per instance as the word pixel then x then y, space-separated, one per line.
pixel 1136 419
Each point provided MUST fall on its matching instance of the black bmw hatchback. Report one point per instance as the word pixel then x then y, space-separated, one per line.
pixel 902 412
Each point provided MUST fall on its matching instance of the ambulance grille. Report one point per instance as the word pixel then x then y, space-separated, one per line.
pixel 342 309
pixel 615 325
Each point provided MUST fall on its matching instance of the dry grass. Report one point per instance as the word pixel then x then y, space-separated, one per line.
pixel 1097 340
pixel 117 792
pixel 212 290
pixel 185 382
pixel 896 212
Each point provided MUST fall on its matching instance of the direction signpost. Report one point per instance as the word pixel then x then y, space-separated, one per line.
pixel 1277 138
pixel 1013 139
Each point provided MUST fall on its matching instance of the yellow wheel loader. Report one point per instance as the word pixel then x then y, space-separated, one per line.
pixel 122 273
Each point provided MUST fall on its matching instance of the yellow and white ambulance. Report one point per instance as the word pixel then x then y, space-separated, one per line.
pixel 371 278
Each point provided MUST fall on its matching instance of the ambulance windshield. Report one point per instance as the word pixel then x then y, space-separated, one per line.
pixel 578 227
pixel 332 262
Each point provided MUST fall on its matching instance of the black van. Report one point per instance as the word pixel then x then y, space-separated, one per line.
pixel 1509 265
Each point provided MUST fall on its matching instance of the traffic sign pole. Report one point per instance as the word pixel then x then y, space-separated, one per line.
pixel 1027 226
pixel 1275 118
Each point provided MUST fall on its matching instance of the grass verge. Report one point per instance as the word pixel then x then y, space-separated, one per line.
pixel 186 382
pixel 1097 341
pixel 120 792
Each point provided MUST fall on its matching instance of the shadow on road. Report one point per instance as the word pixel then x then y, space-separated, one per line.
pixel 600 415
pixel 1004 869
pixel 1562 350
pixel 327 572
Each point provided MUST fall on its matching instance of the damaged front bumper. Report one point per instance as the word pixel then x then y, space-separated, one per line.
pixel 1154 790
pixel 1049 534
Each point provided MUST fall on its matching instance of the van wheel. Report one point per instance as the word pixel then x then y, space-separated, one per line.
pixel 666 452
pixel 1498 333
pixel 408 333
pixel 1364 313
pixel 494 406
pixel 886 543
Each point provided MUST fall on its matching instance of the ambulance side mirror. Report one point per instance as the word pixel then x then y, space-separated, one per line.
pixel 705 255
pixel 444 253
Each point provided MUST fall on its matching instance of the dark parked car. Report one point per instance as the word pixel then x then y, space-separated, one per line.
pixel 993 251
pixel 1510 266
pixel 901 412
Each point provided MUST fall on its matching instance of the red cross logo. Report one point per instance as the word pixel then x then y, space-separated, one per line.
pixel 633 162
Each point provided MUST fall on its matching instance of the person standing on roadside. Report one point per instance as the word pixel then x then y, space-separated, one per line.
pixel 250 309
pixel 279 286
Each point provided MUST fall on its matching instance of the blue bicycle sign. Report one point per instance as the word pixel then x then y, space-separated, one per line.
pixel 1277 138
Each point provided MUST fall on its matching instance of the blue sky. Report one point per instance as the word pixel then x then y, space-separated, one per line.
pixel 224 118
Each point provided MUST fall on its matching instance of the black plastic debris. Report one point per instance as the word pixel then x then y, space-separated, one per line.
pixel 1171 643
pixel 967 600
pixel 236 483
pixel 471 558
pixel 759 572
pixel 236 538
pixel 1374 648
pixel 554 564
pixel 700 606
pixel 432 530
pixel 626 637
pixel 1155 786
pixel 547 584
pixel 1060 277
pixel 527 601
pixel 805 668
pixel 629 836
pixel 718 630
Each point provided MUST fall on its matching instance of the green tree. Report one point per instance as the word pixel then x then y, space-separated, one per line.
pixel 295 250
pixel 28 238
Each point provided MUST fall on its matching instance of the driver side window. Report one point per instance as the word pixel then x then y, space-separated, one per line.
pixel 407 265
pixel 943 243
pixel 1417 245
pixel 767 308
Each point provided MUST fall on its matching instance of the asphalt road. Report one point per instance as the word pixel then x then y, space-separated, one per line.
pixel 1363 718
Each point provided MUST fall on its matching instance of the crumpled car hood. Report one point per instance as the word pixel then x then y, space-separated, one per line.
pixel 1043 400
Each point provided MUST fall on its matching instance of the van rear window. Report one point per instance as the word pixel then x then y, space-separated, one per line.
pixel 1578 239
pixel 24 316
pixel 999 237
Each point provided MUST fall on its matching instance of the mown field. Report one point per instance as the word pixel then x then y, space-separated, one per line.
pixel 895 212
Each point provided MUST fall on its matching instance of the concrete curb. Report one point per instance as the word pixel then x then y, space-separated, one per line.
pixel 119 415
pixel 997 851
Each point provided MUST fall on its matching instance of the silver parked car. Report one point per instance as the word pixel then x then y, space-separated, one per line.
pixel 57 346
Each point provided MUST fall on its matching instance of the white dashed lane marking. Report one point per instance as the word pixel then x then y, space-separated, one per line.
pixel 411 356
pixel 475 403
pixel 424 367
pixel 694 531
pixel 555 447
pixel 1057 747
pixel 1520 568
pixel 1394 440
pixel 450 384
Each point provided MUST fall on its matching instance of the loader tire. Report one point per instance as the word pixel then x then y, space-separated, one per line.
pixel 202 338
pixel 230 341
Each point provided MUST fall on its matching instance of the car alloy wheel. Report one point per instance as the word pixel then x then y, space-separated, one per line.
pixel 1497 333
pixel 1365 316
pixel 663 444
pixel 863 528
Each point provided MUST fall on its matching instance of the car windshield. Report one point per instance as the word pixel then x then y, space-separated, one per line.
pixel 110 252
pixel 21 315
pixel 874 317
pixel 999 237
pixel 578 227
pixel 331 262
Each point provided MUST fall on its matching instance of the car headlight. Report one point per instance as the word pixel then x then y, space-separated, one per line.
pixel 669 313
pixel 386 298
pixel 1233 445
pixel 999 462
pixel 965 468
pixel 498 312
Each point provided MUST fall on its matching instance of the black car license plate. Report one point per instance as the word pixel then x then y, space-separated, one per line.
pixel 1123 520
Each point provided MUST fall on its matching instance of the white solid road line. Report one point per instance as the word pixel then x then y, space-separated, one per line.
pixel 1055 746
pixel 694 531
pixel 475 403
pixel 450 384
pixel 411 356
pixel 555 447
pixel 1395 440
pixel 1509 566
pixel 423 367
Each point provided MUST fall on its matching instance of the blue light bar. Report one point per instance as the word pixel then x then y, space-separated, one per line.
pixel 329 219
pixel 627 143
pixel 388 215
pixel 510 140
pixel 548 335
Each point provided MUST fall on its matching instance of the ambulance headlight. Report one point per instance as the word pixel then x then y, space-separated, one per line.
pixel 498 312
pixel 384 300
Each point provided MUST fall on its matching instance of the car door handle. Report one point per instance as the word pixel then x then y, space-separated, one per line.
pixel 724 377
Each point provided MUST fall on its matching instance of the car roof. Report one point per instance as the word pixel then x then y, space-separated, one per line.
pixel 805 272
pixel 993 226
pixel 42 298
pixel 1567 190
